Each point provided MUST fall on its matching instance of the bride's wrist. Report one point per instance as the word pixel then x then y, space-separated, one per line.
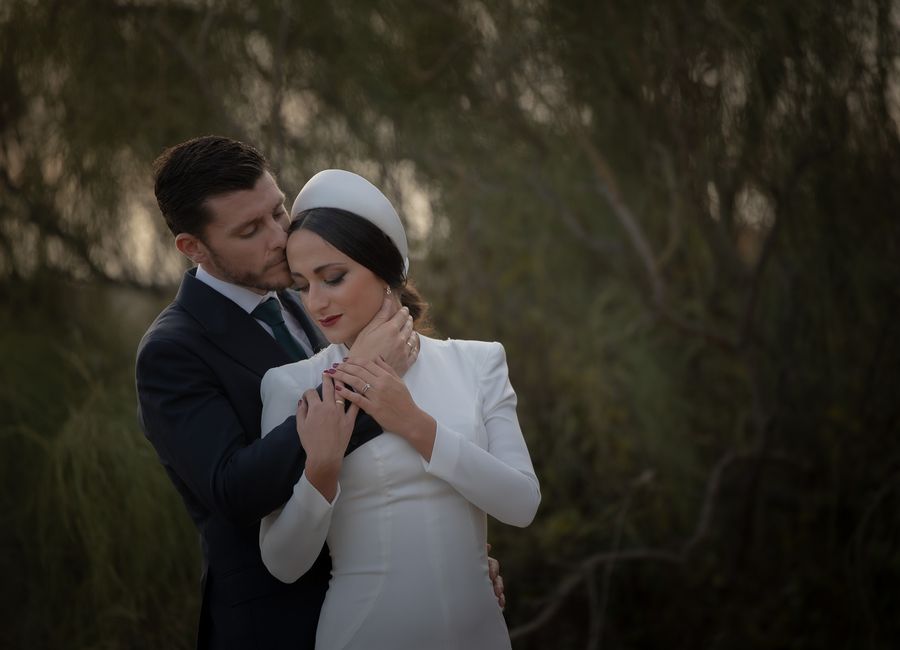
pixel 421 433
pixel 323 477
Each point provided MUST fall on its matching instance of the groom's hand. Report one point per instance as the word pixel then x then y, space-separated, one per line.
pixel 496 579
pixel 390 336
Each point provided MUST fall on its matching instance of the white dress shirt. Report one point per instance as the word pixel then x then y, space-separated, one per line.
pixel 248 300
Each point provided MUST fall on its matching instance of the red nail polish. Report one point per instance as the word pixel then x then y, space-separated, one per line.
pixel 330 371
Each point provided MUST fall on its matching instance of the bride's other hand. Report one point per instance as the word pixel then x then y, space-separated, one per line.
pixel 388 336
pixel 382 394
pixel 324 429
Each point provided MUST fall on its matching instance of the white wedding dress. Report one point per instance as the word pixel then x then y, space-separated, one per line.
pixel 407 537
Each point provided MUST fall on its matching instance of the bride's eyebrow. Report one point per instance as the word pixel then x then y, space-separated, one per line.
pixel 322 267
pixel 316 270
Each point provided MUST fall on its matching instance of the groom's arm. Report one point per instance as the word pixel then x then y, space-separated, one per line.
pixel 198 435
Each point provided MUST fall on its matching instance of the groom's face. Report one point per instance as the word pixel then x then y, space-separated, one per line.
pixel 243 241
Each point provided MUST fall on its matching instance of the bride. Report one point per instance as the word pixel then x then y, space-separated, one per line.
pixel 404 515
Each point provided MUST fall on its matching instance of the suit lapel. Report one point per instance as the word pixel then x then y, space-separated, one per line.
pixel 229 327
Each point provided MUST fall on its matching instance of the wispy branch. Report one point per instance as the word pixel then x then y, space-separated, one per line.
pixel 586 568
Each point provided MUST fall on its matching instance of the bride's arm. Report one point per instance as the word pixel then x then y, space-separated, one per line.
pixel 499 479
pixel 292 537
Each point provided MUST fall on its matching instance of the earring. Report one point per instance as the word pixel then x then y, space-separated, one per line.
pixel 387 291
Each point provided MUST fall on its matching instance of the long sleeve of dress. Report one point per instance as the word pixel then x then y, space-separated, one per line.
pixel 500 478
pixel 291 537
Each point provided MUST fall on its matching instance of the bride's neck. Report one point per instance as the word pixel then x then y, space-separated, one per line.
pixel 349 343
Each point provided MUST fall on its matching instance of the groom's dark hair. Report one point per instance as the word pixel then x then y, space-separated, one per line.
pixel 188 174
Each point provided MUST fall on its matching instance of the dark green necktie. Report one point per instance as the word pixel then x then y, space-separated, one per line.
pixel 269 312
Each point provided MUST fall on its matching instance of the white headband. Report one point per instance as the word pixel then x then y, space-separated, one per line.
pixel 336 188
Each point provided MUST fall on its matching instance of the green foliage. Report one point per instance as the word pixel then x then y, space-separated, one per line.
pixel 679 219
pixel 99 550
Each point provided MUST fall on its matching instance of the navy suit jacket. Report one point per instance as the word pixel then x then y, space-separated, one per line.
pixel 199 368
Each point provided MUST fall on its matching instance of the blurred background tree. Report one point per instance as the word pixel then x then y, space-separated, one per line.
pixel 679 218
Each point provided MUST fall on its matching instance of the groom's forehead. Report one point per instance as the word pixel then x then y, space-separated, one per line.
pixel 242 205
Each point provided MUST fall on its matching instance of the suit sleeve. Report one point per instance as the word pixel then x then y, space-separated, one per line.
pixel 198 435
pixel 292 537
pixel 500 478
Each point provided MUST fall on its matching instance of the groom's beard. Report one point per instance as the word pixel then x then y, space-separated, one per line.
pixel 273 277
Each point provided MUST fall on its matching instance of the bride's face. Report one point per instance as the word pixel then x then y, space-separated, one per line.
pixel 340 294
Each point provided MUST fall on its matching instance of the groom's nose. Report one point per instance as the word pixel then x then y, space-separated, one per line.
pixel 277 234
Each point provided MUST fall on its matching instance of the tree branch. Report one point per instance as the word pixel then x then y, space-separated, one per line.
pixel 558 206
pixel 701 530
pixel 674 220
pixel 276 124
pixel 193 65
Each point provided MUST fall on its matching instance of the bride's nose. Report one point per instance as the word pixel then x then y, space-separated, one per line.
pixel 316 298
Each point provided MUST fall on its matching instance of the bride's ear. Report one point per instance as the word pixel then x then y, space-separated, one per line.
pixel 393 296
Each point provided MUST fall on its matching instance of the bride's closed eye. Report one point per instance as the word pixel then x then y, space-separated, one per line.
pixel 335 280
pixel 331 282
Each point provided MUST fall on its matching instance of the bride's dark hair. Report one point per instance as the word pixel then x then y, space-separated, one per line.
pixel 365 243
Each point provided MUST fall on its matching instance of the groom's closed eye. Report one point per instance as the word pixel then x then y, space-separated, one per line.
pixel 249 231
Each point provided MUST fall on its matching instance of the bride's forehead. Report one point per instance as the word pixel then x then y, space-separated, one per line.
pixel 311 249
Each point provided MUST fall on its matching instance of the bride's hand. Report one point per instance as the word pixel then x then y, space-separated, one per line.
pixel 389 335
pixel 324 429
pixel 384 396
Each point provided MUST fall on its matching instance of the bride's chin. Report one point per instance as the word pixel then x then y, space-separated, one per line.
pixel 340 340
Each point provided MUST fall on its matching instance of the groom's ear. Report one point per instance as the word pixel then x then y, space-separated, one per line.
pixel 191 247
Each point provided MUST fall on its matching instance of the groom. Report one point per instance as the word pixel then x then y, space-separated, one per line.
pixel 198 372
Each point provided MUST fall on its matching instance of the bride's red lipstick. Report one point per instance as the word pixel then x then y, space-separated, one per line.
pixel 330 321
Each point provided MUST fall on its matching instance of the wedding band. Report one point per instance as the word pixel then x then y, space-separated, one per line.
pixel 365 388
pixel 338 401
